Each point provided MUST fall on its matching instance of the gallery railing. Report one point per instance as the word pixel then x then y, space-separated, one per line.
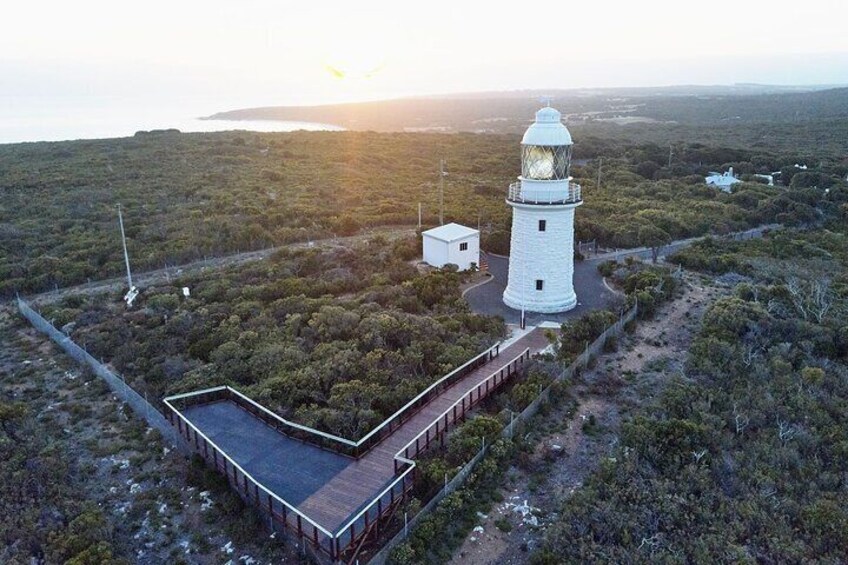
pixel 557 197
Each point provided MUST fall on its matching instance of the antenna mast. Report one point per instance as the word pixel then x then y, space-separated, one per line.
pixel 133 291
pixel 442 175
pixel 600 164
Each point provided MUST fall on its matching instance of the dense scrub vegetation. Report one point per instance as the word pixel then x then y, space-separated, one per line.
pixel 45 514
pixel 745 456
pixel 723 108
pixel 338 339
pixel 187 196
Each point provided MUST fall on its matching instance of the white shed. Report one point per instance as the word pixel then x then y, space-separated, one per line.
pixel 452 243
pixel 723 181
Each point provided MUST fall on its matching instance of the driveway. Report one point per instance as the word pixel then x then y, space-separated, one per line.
pixel 592 293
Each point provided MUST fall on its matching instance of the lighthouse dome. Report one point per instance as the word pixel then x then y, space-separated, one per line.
pixel 548 129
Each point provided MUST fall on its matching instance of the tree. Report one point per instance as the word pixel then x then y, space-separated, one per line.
pixel 653 237
pixel 11 414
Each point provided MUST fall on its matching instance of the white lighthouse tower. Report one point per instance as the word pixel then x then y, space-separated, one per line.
pixel 541 258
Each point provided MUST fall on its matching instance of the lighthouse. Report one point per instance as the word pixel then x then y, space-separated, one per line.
pixel 541 259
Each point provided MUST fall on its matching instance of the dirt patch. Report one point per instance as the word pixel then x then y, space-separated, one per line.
pixel 140 482
pixel 569 444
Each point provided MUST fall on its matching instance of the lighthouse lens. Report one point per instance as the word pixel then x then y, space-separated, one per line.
pixel 539 163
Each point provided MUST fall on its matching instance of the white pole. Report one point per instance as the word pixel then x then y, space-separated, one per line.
pixel 419 215
pixel 124 242
pixel 442 192
pixel 600 163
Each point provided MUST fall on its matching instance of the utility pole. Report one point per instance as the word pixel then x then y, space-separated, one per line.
pixel 442 175
pixel 600 163
pixel 132 293
pixel 419 215
pixel 124 243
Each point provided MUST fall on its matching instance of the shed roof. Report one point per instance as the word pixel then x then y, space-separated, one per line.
pixel 450 232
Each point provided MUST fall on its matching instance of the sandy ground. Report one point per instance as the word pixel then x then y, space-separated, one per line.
pixel 570 441
pixel 142 485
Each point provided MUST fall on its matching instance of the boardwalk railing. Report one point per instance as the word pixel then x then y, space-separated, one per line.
pixel 456 412
pixel 366 522
pixel 330 441
pixel 508 431
pixel 357 528
pixel 280 511
pixel 397 419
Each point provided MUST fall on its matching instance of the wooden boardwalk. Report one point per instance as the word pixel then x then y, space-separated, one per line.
pixel 356 485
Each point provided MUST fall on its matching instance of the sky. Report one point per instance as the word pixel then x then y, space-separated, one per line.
pixel 224 55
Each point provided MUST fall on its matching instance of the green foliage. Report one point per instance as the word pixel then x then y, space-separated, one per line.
pixel 216 193
pixel 337 339
pixel 468 439
pixel 575 335
pixel 45 512
pixel 527 389
pixel 654 237
pixel 732 318
pixel 444 529
pixel 753 438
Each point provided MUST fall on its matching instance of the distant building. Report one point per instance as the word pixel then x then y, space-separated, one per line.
pixel 768 178
pixel 723 181
pixel 452 243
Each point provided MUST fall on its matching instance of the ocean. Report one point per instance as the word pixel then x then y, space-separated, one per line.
pixel 48 119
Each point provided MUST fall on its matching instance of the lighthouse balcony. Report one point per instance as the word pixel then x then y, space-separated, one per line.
pixel 560 196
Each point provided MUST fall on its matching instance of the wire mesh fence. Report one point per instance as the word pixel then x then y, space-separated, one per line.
pixel 509 430
pixel 122 390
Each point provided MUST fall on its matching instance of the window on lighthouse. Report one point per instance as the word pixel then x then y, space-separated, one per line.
pixel 543 224
pixel 541 162
pixel 539 284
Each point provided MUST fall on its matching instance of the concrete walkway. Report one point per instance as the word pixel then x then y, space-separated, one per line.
pixel 592 292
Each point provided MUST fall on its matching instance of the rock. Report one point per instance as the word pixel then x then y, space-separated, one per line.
pixel 206 501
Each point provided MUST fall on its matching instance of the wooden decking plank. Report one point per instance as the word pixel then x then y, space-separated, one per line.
pixel 346 492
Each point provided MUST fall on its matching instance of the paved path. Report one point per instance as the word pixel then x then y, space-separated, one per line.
pixel 592 293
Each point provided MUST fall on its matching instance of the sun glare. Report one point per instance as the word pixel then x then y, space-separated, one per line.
pixel 353 63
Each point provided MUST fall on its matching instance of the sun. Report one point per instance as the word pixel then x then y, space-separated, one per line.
pixel 355 63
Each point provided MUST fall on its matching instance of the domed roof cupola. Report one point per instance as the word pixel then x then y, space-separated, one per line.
pixel 548 129
pixel 546 148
